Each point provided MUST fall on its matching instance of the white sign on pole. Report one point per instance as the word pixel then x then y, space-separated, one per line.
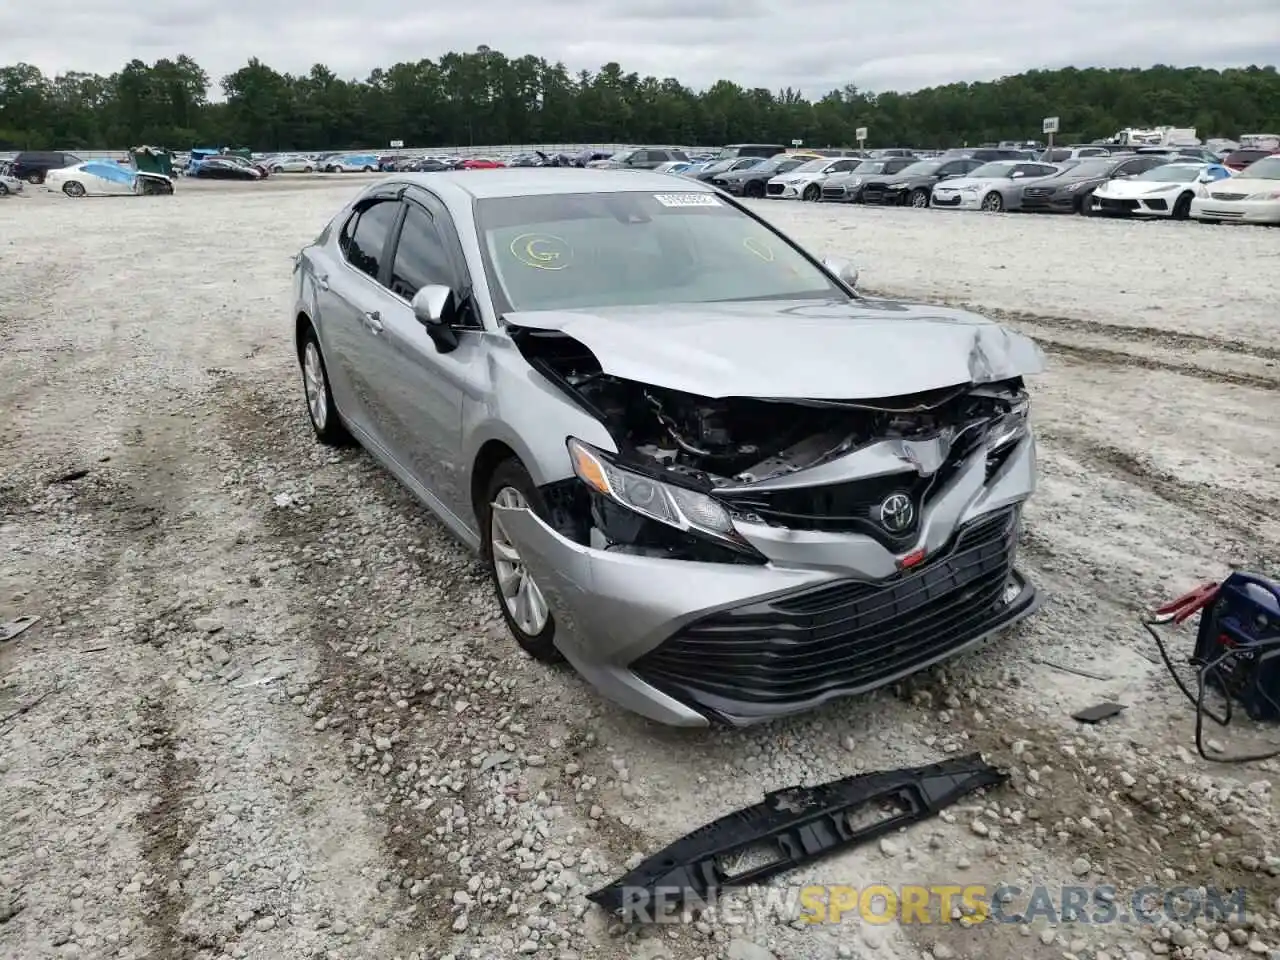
pixel 1050 125
pixel 397 144
pixel 860 133
pixel 797 143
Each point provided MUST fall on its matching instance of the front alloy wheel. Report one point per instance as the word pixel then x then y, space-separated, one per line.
pixel 73 189
pixel 993 202
pixel 920 198
pixel 523 599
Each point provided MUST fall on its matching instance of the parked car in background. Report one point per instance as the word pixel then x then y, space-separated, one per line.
pixel 993 187
pixel 641 158
pixel 717 167
pixel 1079 152
pixel 105 178
pixel 352 163
pixel 846 186
pixel 224 168
pixel 913 184
pixel 32 165
pixel 750 182
pixel 291 164
pixel 480 163
pixel 1239 160
pixel 674 166
pixel 9 184
pixel 696 463
pixel 805 181
pixel 1164 191
pixel 762 150
pixel 1251 196
pixel 1071 190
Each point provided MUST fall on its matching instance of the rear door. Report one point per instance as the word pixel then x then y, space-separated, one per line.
pixel 349 299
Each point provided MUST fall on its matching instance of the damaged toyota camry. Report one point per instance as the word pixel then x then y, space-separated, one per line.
pixel 700 466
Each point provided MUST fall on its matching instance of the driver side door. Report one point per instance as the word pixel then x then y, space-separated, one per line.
pixel 421 391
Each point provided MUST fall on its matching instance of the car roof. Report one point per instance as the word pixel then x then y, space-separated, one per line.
pixel 535 181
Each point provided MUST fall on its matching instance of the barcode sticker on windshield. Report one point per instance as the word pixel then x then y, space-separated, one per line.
pixel 686 199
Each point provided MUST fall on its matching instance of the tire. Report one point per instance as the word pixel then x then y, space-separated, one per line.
pixel 4 191
pixel 510 483
pixel 277 170
pixel 308 169
pixel 753 189
pixel 920 198
pixel 73 189
pixel 1084 206
pixel 993 203
pixel 366 169
pixel 35 179
pixel 1182 208
pixel 812 193
pixel 326 422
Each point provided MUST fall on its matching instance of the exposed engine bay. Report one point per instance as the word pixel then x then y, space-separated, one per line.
pixel 732 441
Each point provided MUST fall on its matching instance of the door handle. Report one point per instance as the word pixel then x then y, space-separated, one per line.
pixel 322 281
pixel 373 320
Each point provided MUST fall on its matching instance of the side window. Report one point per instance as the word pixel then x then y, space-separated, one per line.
pixel 369 238
pixel 348 230
pixel 421 258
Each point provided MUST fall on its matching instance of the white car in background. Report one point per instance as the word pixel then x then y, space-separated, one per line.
pixel 1164 191
pixel 9 184
pixel 805 181
pixel 1251 196
pixel 104 178
pixel 290 164
pixel 993 187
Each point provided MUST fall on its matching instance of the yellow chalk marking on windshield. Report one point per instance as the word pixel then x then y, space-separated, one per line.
pixel 759 248
pixel 542 251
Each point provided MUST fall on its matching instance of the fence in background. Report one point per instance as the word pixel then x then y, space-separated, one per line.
pixel 470 151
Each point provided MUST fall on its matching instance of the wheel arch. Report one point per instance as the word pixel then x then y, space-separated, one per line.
pixel 301 325
pixel 491 453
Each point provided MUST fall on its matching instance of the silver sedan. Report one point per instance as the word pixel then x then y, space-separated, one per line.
pixel 699 465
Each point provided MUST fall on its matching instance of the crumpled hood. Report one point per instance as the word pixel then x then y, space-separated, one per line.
pixel 795 349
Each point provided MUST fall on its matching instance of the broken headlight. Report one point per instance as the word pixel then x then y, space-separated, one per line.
pixel 666 503
pixel 1011 426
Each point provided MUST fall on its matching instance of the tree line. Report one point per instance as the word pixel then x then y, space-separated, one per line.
pixel 485 97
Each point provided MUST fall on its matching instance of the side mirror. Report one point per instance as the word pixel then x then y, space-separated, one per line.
pixel 845 271
pixel 434 307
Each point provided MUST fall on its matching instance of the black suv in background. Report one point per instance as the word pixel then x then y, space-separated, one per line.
pixel 32 165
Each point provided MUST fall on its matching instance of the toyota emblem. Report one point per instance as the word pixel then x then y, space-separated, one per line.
pixel 897 513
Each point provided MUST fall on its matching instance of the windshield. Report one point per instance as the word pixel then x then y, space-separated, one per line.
pixel 922 168
pixel 812 166
pixel 1267 168
pixel 582 250
pixel 994 170
pixel 1171 173
pixel 1091 167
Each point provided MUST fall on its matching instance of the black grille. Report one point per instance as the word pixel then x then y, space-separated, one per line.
pixel 773 189
pixel 717 182
pixel 1038 192
pixel 1119 206
pixel 878 193
pixel 854 506
pixel 1158 204
pixel 849 635
pixel 1228 196
pixel 833 193
pixel 946 201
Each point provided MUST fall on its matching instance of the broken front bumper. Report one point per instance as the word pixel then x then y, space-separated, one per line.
pixel 831 614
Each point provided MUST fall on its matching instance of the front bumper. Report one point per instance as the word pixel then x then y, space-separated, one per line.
pixel 1133 206
pixel 1054 203
pixel 832 614
pixel 880 194
pixel 1238 211
pixel 783 191
pixel 959 200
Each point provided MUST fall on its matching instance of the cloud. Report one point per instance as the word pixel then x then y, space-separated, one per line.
pixel 810 45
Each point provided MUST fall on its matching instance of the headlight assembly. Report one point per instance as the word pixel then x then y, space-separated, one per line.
pixel 1011 427
pixel 666 503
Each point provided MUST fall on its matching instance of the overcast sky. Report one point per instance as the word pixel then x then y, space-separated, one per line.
pixel 813 45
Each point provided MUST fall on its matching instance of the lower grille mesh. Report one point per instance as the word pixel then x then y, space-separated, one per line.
pixel 846 635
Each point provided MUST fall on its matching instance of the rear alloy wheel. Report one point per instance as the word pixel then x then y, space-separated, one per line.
pixel 35 179
pixel 524 608
pixel 1182 209
pixel 754 189
pixel 73 189
pixel 325 421
pixel 993 202
pixel 812 193
pixel 920 198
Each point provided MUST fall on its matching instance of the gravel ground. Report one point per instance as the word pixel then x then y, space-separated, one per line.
pixel 270 710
